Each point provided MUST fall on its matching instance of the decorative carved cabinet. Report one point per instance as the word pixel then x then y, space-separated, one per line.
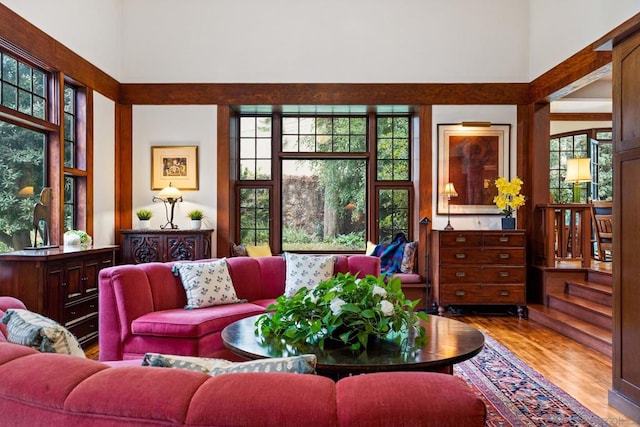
pixel 479 268
pixel 60 283
pixel 141 246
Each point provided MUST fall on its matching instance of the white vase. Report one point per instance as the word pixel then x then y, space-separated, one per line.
pixel 145 224
pixel 196 224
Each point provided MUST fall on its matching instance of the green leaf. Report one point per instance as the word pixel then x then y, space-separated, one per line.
pixel 368 313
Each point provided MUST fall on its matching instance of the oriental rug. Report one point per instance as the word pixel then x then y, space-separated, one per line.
pixel 517 395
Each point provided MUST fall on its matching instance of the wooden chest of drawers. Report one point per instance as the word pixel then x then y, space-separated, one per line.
pixel 479 268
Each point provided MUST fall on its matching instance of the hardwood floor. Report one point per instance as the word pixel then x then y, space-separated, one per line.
pixel 583 373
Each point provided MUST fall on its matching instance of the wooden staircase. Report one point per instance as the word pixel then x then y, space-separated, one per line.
pixel 582 311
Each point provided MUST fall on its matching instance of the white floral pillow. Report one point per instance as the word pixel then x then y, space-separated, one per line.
pixel 306 271
pixel 206 283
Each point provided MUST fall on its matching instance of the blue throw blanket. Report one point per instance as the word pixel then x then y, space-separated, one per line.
pixel 390 254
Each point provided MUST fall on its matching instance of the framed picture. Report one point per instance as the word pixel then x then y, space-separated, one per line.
pixel 175 165
pixel 471 158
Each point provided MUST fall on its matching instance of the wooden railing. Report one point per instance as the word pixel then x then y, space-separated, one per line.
pixel 563 233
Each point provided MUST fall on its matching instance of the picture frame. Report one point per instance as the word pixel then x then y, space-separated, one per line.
pixel 471 157
pixel 175 165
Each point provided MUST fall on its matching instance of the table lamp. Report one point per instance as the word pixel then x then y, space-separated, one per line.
pixel 578 171
pixel 169 196
pixel 449 191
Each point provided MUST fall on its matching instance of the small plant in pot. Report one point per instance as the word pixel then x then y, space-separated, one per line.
pixel 196 216
pixel 144 216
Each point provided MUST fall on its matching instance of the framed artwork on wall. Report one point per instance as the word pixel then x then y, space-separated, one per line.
pixel 175 165
pixel 471 158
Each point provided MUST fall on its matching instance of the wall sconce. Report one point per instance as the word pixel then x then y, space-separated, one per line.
pixel 449 191
pixel 169 196
pixel 476 124
pixel 578 171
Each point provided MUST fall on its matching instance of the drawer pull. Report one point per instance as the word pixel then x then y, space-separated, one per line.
pixel 504 239
pixel 461 256
pixel 460 274
pixel 461 239
pixel 504 274
pixel 505 256
pixel 460 293
pixel 504 293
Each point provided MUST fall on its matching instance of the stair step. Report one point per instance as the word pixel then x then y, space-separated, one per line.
pixel 591 291
pixel 590 311
pixel 588 334
pixel 600 277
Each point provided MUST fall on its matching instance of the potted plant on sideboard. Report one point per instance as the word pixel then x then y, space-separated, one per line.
pixel 196 216
pixel 144 218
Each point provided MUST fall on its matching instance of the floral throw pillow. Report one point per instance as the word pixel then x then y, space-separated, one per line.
pixel 409 257
pixel 306 271
pixel 303 364
pixel 206 283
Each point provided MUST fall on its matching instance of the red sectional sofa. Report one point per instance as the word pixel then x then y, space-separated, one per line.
pixel 141 307
pixel 46 389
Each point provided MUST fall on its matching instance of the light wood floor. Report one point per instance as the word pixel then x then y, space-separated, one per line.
pixel 583 373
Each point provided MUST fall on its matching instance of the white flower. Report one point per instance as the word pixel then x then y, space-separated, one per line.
pixel 386 307
pixel 336 306
pixel 312 297
pixel 377 290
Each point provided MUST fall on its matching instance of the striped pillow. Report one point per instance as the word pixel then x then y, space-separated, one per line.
pixel 34 330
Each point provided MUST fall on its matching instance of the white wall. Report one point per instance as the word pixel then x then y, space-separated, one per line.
pixel 90 28
pixel 452 114
pixel 103 170
pixel 560 29
pixel 175 125
pixel 329 41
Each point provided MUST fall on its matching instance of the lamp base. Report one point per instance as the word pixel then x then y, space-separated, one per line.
pixel 449 227
pixel 577 189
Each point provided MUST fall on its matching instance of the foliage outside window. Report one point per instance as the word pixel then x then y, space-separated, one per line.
pixel 595 144
pixel 323 178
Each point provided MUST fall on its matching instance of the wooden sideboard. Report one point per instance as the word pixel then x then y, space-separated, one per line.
pixel 141 246
pixel 60 283
pixel 485 267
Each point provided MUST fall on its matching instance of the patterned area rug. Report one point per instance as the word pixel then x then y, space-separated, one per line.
pixel 516 395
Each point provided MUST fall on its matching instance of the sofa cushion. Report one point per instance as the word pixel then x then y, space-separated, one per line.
pixel 192 323
pixel 306 271
pixel 303 364
pixel 39 332
pixel 206 283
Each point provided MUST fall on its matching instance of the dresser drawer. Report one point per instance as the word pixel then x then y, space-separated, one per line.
pixel 85 329
pixel 470 256
pixel 460 240
pixel 481 294
pixel 482 274
pixel 504 240
pixel 81 309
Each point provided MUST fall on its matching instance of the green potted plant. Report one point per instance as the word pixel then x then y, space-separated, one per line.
pixel 196 216
pixel 144 218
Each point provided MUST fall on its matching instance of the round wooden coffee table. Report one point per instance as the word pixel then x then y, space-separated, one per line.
pixel 449 341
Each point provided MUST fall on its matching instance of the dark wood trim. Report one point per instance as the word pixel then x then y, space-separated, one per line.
pixel 425 189
pixel 40 48
pixel 621 32
pixel 581 117
pixel 224 200
pixel 123 169
pixel 85 116
pixel 579 70
pixel 323 93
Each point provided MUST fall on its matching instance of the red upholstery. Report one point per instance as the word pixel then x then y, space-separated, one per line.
pixel 142 306
pixel 46 389
pixel 5 304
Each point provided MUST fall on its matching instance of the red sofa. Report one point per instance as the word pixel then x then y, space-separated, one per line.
pixel 46 389
pixel 141 307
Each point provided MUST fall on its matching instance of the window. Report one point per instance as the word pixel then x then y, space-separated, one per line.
pixel 30 135
pixel 320 182
pixel 592 143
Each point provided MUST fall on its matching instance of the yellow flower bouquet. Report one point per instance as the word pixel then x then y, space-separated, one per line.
pixel 509 198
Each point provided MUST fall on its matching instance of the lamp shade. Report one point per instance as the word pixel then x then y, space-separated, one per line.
pixel 578 170
pixel 450 190
pixel 169 192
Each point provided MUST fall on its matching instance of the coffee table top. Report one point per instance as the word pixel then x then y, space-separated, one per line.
pixel 449 341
